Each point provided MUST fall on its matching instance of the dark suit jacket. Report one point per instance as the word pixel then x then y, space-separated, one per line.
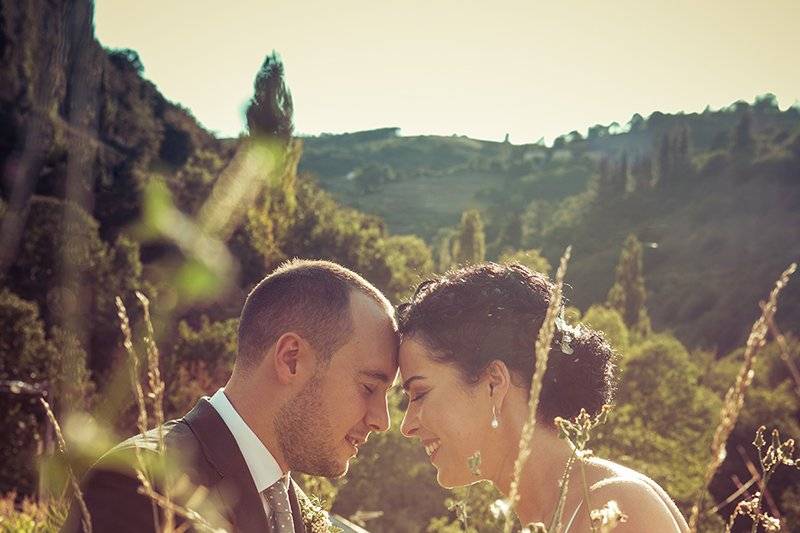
pixel 210 468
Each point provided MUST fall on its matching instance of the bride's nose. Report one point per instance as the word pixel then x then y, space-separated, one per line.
pixel 410 422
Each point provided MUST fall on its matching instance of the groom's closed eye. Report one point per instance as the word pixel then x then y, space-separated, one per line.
pixel 376 375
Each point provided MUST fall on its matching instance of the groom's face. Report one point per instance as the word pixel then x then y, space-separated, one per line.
pixel 326 423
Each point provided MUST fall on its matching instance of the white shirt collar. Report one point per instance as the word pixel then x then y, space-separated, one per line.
pixel 262 465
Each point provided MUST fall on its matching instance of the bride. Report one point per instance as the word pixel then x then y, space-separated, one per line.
pixel 466 360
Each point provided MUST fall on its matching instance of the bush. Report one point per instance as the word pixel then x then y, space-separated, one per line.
pixel 27 356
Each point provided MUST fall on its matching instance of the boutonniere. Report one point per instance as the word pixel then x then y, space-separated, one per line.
pixel 315 518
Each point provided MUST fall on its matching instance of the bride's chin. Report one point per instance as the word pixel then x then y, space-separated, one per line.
pixel 442 483
pixel 447 482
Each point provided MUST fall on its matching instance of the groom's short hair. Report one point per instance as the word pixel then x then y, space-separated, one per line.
pixel 308 297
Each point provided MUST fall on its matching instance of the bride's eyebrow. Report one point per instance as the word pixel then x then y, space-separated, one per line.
pixel 407 383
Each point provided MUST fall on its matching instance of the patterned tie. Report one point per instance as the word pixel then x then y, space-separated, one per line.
pixel 281 510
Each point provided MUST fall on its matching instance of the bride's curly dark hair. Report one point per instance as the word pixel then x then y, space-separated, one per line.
pixel 477 314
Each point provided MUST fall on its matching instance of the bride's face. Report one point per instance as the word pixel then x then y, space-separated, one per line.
pixel 449 417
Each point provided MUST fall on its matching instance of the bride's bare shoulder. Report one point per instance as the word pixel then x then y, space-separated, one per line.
pixel 645 505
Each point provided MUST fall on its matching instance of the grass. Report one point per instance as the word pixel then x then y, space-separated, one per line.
pixel 542 351
pixel 29 515
pixel 734 398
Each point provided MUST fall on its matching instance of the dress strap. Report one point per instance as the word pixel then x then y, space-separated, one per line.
pixel 572 518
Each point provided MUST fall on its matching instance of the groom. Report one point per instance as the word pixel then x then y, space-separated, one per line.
pixel 317 352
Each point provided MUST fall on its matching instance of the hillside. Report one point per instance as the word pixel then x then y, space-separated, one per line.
pixel 721 222
pixel 86 142
pixel 102 189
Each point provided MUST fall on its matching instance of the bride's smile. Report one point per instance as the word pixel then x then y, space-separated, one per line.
pixel 431 447
pixel 447 417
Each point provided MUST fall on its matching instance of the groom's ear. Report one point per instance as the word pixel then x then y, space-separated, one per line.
pixel 498 380
pixel 290 357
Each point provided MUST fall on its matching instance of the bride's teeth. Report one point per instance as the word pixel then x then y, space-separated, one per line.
pixel 431 448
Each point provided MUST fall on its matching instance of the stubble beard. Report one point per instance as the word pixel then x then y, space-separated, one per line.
pixel 305 435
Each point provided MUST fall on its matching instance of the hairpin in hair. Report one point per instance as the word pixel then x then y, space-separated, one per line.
pixel 566 333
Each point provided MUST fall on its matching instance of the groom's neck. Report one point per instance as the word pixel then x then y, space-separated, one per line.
pixel 257 412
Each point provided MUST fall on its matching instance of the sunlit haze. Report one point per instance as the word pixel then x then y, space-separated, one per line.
pixel 527 68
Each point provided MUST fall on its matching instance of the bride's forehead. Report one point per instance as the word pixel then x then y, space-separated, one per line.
pixel 413 352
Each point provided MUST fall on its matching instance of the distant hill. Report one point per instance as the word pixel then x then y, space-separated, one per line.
pixel 417 184
pixel 373 169
pixel 722 219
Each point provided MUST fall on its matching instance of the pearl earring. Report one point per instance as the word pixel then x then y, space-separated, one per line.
pixel 495 422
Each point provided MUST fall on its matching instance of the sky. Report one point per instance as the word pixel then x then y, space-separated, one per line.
pixel 527 68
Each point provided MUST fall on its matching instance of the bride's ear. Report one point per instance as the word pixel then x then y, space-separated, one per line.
pixel 498 381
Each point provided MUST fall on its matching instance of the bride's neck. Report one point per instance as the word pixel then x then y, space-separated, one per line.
pixel 538 487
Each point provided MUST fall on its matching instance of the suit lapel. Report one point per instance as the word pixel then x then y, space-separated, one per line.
pixel 236 488
pixel 297 515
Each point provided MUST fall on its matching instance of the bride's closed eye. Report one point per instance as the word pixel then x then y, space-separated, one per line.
pixel 417 396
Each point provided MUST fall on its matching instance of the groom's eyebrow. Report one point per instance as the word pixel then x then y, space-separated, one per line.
pixel 407 383
pixel 375 374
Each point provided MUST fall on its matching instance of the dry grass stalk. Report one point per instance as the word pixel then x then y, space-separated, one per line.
pixel 142 472
pixel 125 326
pixel 194 519
pixel 239 185
pixel 556 524
pixel 754 471
pixel 770 457
pixel 86 518
pixel 734 398
pixel 542 351
pixel 157 396
pixel 784 352
pixel 741 490
pixel 578 433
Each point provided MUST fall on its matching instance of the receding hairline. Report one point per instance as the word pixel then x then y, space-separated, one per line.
pixel 355 280
pixel 315 273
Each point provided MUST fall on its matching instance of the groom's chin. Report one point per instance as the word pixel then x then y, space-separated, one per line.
pixel 330 471
pixel 339 468
pixel 344 469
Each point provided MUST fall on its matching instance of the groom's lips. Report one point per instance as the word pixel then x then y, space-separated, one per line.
pixel 355 442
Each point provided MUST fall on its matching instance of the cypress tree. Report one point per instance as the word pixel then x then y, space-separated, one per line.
pixel 621 178
pixel 604 178
pixel 471 242
pixel 444 246
pixel 664 159
pixel 681 161
pixel 642 173
pixel 743 134
pixel 627 295
pixel 271 110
